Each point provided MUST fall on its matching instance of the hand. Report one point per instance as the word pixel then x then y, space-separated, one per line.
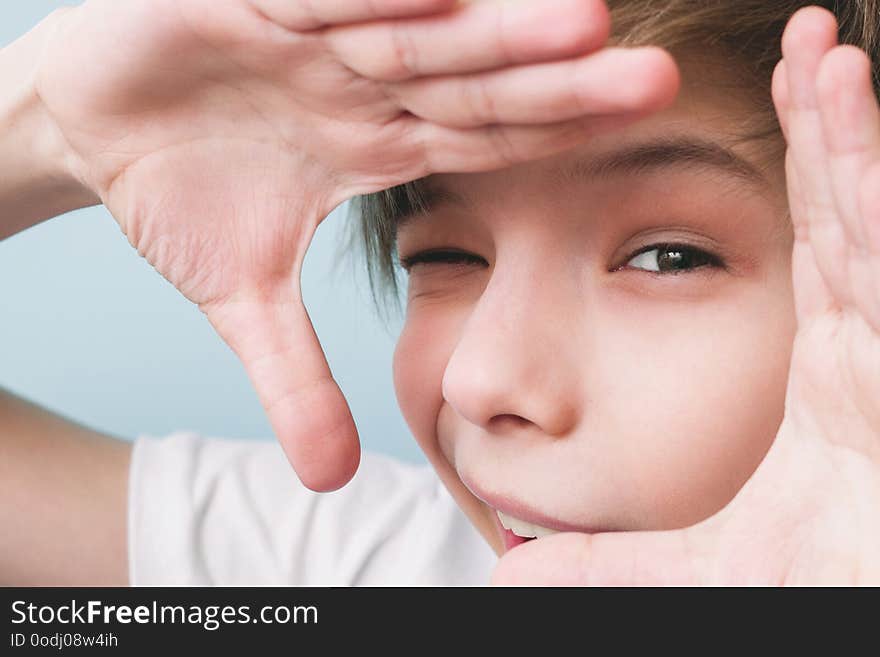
pixel 220 133
pixel 810 514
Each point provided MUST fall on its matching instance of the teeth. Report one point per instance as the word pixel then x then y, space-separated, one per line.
pixel 522 528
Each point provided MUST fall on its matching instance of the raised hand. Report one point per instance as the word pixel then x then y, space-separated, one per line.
pixel 811 512
pixel 219 133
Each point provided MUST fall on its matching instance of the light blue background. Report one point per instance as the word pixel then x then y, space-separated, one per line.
pixel 90 330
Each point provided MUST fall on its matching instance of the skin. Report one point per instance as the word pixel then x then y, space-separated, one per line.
pixel 652 398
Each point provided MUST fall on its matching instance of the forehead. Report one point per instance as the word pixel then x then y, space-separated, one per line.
pixel 699 134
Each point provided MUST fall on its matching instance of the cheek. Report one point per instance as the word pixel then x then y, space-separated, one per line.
pixel 707 411
pixel 420 357
pixel 426 343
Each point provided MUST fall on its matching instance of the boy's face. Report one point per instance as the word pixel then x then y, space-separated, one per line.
pixel 557 376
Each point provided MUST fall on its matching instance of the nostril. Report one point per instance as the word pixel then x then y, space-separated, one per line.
pixel 508 420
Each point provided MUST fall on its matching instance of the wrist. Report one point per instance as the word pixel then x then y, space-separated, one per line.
pixel 46 177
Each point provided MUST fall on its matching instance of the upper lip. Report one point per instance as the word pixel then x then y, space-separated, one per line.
pixel 521 511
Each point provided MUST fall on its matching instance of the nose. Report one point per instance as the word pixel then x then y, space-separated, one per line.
pixel 516 360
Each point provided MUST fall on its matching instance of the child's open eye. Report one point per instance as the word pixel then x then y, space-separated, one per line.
pixel 672 258
pixel 440 256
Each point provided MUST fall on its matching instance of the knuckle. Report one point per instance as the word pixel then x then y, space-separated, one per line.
pixel 478 101
pixel 502 145
pixel 421 135
pixel 405 54
pixel 589 27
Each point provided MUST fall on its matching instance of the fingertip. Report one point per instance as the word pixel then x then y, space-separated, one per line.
pixel 809 25
pixel 585 25
pixel 324 449
pixel 336 466
pixel 308 412
pixel 779 85
pixel 843 69
pixel 600 20
pixel 811 32
pixel 848 105
pixel 336 471
pixel 662 69
pixel 551 31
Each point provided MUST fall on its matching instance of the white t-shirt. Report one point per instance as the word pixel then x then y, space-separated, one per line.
pixel 209 511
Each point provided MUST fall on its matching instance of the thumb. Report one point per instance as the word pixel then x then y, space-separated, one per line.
pixel 676 558
pixel 272 334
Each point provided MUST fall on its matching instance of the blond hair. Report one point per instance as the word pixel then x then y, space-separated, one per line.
pixel 744 34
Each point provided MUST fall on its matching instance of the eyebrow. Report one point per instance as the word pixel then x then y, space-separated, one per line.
pixel 661 154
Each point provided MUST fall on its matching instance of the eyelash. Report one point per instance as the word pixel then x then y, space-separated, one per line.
pixel 441 256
